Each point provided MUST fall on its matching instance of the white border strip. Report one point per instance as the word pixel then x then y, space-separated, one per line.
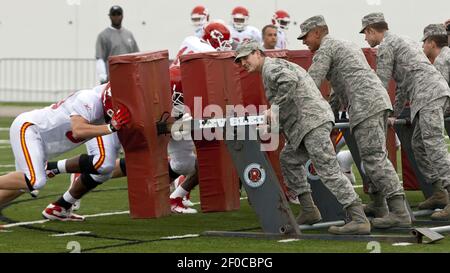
pixel 86 216
pixel 180 237
pixel 69 234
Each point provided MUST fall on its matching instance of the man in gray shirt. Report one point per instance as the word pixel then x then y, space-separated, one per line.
pixel 114 40
pixel 428 93
pixel 306 119
pixel 353 80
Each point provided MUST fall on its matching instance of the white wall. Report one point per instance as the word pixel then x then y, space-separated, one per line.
pixel 59 29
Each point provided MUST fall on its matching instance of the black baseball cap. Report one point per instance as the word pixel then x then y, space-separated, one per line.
pixel 115 10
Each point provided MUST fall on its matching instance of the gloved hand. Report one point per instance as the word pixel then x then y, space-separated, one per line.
pixel 120 118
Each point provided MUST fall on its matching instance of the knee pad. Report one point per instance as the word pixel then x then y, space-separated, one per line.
pixel 345 160
pixel 185 168
pixel 106 168
pixel 88 181
pixel 172 174
pixel 85 163
pixel 38 184
pixel 123 167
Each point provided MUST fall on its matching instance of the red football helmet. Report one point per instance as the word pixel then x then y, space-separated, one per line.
pixel 107 102
pixel 199 16
pixel 239 17
pixel 177 91
pixel 218 36
pixel 281 19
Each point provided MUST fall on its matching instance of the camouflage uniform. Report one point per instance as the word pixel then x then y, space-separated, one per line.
pixel 419 82
pixel 306 120
pixel 345 66
pixel 442 63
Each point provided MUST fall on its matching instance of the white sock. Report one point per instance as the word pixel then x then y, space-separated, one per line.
pixel 178 192
pixel 69 198
pixel 62 166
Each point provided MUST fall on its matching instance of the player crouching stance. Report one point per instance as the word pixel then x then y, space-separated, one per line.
pixel 42 134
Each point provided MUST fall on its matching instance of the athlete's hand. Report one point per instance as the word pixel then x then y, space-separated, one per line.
pixel 120 118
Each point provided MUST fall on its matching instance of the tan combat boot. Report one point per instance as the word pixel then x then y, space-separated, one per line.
pixel 310 214
pixel 359 225
pixel 377 207
pixel 443 215
pixel 398 214
pixel 438 200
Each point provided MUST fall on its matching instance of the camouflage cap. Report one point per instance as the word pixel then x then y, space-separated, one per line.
pixel 372 18
pixel 434 30
pixel 246 48
pixel 309 24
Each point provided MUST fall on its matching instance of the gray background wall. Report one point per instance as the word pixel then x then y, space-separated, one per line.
pixel 68 28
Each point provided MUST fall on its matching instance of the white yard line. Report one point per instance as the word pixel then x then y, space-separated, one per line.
pixel 107 214
pixel 70 234
pixel 402 244
pixel 180 237
pixel 288 240
pixel 6 129
pixel 24 223
pixel 7 166
pixel 86 216
pixel 4 141
pixel 5 147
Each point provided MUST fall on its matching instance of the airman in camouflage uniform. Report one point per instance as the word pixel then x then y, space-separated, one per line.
pixel 345 66
pixel 428 93
pixel 306 120
pixel 435 47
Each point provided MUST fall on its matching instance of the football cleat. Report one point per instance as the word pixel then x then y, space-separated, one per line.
pixel 56 212
pixel 176 206
pixel 187 201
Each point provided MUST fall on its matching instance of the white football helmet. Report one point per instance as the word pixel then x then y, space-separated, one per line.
pixel 281 19
pixel 239 17
pixel 199 16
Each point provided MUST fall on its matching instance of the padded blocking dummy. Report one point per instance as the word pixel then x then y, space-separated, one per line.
pixel 140 81
pixel 213 77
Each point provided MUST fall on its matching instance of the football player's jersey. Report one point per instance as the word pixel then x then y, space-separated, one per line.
pixel 199 32
pixel 54 124
pixel 281 39
pixel 192 44
pixel 249 33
